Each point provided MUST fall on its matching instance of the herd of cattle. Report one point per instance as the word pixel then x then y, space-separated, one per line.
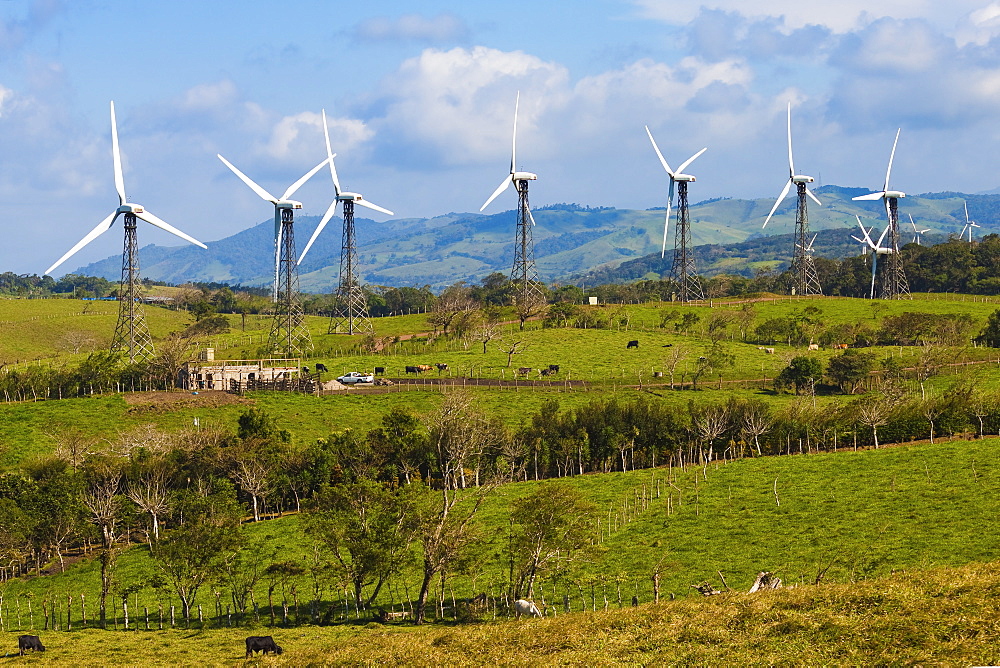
pixel 266 644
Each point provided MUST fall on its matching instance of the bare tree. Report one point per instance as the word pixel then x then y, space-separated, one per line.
pixel 453 306
pixel 251 476
pixel 756 421
pixel 677 355
pixel 101 498
pixel 528 305
pixel 76 340
pixel 446 521
pixel 171 354
pixel 511 346
pixel 710 422
pixel 148 487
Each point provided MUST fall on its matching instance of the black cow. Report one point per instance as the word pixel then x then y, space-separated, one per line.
pixel 263 644
pixel 554 368
pixel 29 642
pixel 668 345
pixel 412 369
pixel 321 368
pixel 305 370
pixel 380 371
pixel 632 344
pixel 441 367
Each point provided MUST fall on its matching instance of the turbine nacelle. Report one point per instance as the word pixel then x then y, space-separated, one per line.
pixel 688 178
pixel 802 178
pixel 130 208
pixel 523 176
pixel 893 194
pixel 287 204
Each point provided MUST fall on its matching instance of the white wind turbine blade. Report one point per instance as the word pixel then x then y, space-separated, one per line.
pixel 865 232
pixel 116 154
pixel 791 163
pixel 891 156
pixel 305 177
pixel 375 207
pixel 513 143
pixel 658 154
pixel 666 220
pixel 264 195
pixel 784 192
pixel 319 228
pixel 503 186
pixel 813 241
pixel 101 228
pixel 874 268
pixel 869 196
pixel 684 165
pixel 163 225
pixel 330 155
pixel 531 218
pixel 914 225
pixel 809 192
pixel 882 237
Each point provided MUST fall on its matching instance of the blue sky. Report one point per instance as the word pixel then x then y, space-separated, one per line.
pixel 420 98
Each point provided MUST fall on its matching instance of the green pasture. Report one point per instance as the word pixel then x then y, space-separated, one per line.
pixel 839 517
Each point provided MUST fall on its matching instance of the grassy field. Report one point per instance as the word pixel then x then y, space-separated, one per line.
pixel 851 516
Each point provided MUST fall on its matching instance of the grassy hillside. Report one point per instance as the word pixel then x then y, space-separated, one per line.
pixel 569 240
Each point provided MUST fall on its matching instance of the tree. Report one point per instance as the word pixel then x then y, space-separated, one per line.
pixel 511 346
pixel 990 336
pixel 528 305
pixel 192 553
pixel 850 368
pixel 101 497
pixel 551 526
pixel 801 372
pixel 367 528
pixel 453 306
pixel 716 358
pixel 446 527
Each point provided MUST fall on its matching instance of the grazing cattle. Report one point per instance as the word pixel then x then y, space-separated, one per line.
pixel 524 371
pixel 632 344
pixel 380 371
pixel 527 608
pixel 412 369
pixel 441 367
pixel 840 346
pixel 305 370
pixel 668 345
pixel 813 346
pixel 29 642
pixel 769 351
pixel 263 644
pixel 546 372
pixel 424 367
pixel 554 368
pixel 321 368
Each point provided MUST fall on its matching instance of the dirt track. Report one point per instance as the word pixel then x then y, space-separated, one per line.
pixel 183 399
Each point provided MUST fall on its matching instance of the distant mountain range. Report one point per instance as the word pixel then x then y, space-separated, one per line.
pixel 571 242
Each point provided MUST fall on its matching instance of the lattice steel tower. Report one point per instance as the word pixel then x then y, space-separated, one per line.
pixel 523 274
pixel 803 268
pixel 289 334
pixel 350 307
pixel 894 283
pixel 131 334
pixel 350 314
pixel 131 337
pixel 805 280
pixel 682 270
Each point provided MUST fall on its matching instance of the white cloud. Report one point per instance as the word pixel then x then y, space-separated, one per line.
pixel 459 103
pixel 301 135
pixel 840 16
pixel 413 27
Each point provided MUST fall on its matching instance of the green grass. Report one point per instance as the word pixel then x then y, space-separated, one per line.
pixel 856 515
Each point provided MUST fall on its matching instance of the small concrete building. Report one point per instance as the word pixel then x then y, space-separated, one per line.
pixel 208 373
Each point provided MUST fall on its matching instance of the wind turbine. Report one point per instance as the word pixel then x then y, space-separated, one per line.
pixel 918 233
pixel 288 332
pixel 523 273
pixel 351 303
pixel 803 267
pixel 894 283
pixel 876 249
pixel 682 270
pixel 969 224
pixel 131 333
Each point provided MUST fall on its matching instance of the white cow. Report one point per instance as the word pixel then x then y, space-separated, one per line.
pixel 527 608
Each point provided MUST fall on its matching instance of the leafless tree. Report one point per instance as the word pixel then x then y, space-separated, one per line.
pixel 102 500
pixel 528 305
pixel 511 346
pixel 756 421
pixel 453 307
pixel 677 355
pixel 251 476
pixel 710 422
pixel 77 340
pixel 148 487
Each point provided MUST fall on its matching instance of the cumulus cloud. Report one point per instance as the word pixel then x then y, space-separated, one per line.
pixel 458 105
pixel 300 134
pixel 438 29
